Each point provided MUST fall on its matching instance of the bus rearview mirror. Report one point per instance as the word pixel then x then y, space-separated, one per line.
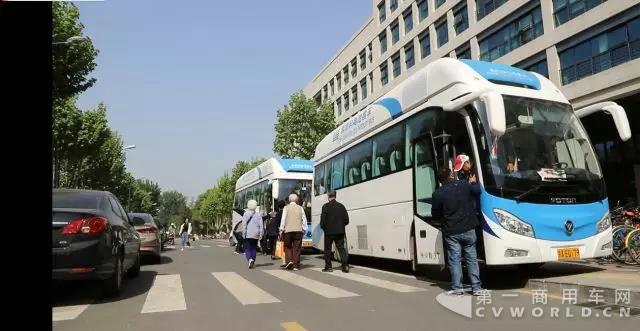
pixel 494 106
pixel 616 111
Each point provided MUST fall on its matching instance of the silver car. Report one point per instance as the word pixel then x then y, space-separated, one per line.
pixel 150 236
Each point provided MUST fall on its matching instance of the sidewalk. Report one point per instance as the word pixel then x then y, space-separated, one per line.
pixel 587 275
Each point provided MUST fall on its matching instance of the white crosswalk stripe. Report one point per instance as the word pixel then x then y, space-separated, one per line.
pixel 243 290
pixel 205 246
pixel 325 290
pixel 66 313
pixel 389 285
pixel 166 294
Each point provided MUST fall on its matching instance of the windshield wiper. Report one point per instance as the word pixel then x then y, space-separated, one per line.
pixel 524 194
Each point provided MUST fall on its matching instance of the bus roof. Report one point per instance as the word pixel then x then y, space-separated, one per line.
pixel 438 83
pixel 274 167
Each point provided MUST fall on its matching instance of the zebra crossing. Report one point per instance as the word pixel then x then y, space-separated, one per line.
pixel 166 294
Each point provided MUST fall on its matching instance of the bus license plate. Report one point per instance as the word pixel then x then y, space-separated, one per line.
pixel 307 244
pixel 568 253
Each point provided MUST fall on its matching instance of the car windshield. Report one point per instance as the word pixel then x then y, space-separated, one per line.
pixel 544 145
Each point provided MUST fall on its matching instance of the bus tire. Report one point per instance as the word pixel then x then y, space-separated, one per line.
pixel 529 267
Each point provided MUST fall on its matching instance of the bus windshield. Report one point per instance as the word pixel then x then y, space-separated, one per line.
pixel 544 154
pixel 302 188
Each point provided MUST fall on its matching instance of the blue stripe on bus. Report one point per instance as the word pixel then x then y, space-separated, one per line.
pixel 296 165
pixel 501 72
pixel 392 105
pixel 548 220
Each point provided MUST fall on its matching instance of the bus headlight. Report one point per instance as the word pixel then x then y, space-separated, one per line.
pixel 604 223
pixel 513 224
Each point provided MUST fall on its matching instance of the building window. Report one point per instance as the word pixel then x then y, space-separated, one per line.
pixel 384 74
pixel 606 50
pixel 395 32
pixel 442 32
pixel 338 107
pixel 346 101
pixel 345 74
pixel 339 81
pixel 395 62
pixel 331 87
pixel 566 10
pixel 438 3
pixel 354 95
pixel 354 67
pixel 409 59
pixel 512 36
pixel 461 20
pixel 382 12
pixel 363 60
pixel 425 45
pixel 408 21
pixel 423 9
pixel 370 53
pixel 383 42
pixel 325 91
pixel 363 88
pixel 539 67
pixel 393 5
pixel 464 54
pixel 485 7
pixel 371 80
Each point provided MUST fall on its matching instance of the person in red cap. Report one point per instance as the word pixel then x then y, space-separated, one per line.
pixel 462 167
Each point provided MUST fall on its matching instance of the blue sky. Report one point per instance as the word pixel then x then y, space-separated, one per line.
pixel 195 84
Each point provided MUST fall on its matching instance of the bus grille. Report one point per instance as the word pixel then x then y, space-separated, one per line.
pixel 362 237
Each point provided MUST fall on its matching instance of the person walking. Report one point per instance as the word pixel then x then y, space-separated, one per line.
pixel 453 204
pixel 253 231
pixel 185 231
pixel 292 226
pixel 272 229
pixel 333 220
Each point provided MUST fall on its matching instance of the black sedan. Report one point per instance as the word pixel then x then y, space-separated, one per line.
pixel 93 238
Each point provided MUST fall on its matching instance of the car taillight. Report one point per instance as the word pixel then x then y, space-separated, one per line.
pixel 91 226
pixel 148 230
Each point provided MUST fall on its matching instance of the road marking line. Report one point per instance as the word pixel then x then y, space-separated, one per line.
pixel 384 272
pixel 552 296
pixel 389 285
pixel 292 326
pixel 166 294
pixel 66 313
pixel 309 284
pixel 205 246
pixel 223 246
pixel 243 290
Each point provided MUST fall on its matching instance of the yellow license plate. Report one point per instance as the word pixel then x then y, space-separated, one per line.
pixel 307 244
pixel 568 253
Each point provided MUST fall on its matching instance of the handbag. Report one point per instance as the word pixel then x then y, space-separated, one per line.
pixel 279 252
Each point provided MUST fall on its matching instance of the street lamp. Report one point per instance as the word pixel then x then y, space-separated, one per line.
pixel 128 147
pixel 75 40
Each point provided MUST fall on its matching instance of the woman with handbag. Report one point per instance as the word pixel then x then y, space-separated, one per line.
pixel 272 229
pixel 253 231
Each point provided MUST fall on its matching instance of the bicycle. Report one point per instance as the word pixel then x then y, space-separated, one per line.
pixel 626 221
pixel 633 245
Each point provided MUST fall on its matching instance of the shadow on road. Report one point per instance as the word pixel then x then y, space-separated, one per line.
pixel 87 292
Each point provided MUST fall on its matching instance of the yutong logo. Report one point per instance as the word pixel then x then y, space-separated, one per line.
pixel 569 226
pixel 537 305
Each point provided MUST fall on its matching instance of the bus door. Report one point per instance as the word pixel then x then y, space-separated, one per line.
pixel 427 238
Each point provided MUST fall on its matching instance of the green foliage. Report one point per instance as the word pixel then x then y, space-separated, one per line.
pixel 301 125
pixel 145 197
pixel 71 63
pixel 173 208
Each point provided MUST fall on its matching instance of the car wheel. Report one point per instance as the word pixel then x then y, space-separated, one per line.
pixel 135 269
pixel 113 284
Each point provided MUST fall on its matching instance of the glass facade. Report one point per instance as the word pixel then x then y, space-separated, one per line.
pixel 440 2
pixel 383 42
pixel 395 32
pixel 425 45
pixel 393 5
pixel 566 10
pixel 395 62
pixel 606 50
pixel 382 12
pixel 540 67
pixel 485 7
pixel 384 74
pixel 461 19
pixel 408 21
pixel 512 36
pixel 442 32
pixel 423 9
pixel 409 59
pixel 363 88
pixel 464 54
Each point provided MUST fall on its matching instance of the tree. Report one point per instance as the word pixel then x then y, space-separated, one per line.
pixel 301 125
pixel 71 63
pixel 145 197
pixel 173 208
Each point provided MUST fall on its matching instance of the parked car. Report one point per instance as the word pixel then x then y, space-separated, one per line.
pixel 150 235
pixel 93 238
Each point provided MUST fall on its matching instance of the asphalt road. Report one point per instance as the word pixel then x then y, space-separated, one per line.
pixel 208 287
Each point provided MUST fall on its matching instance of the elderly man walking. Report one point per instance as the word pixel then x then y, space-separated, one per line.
pixel 292 226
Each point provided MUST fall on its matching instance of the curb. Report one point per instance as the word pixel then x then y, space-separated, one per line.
pixel 555 288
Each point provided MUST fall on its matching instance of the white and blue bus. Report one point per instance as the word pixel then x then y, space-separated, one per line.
pixel 271 181
pixel 543 195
